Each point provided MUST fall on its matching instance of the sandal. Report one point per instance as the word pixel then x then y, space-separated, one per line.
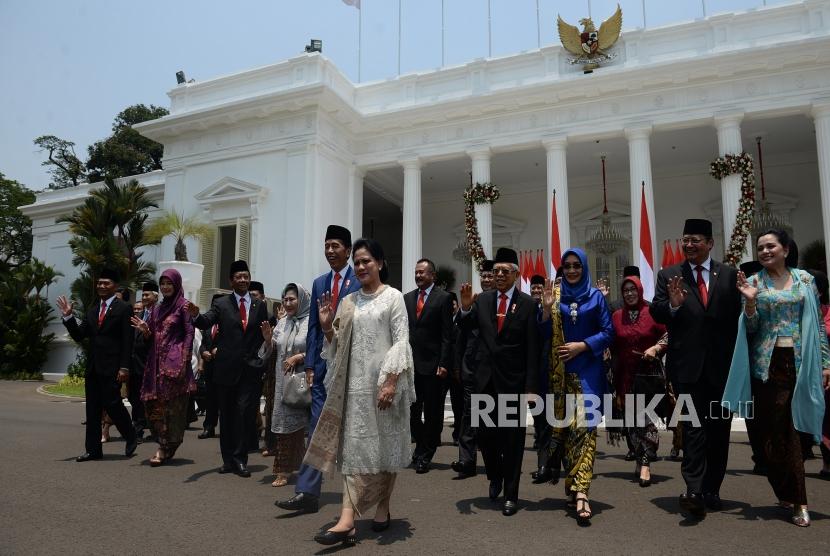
pixel 158 459
pixel 801 517
pixel 280 481
pixel 583 515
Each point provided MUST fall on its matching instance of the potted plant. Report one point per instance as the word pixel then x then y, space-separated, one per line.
pixel 180 228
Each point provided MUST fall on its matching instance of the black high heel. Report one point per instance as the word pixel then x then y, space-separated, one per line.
pixel 643 462
pixel 333 537
pixel 378 526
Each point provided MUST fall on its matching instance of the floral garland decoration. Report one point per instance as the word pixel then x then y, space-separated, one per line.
pixel 738 164
pixel 477 194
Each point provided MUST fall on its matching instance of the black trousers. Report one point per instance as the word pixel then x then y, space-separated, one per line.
pixel 456 390
pixel 467 445
pixel 134 395
pixel 253 416
pixel 104 393
pixel 235 423
pixel 430 390
pixel 211 402
pixel 502 449
pixel 705 448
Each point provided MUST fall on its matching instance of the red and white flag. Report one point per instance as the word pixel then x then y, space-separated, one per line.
pixel 540 265
pixel 555 247
pixel 678 253
pixel 528 272
pixel 646 255
pixel 355 3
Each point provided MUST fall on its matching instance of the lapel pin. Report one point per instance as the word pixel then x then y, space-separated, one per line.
pixel 513 308
pixel 347 283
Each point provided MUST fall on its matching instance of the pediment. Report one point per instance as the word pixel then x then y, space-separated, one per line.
pixel 230 189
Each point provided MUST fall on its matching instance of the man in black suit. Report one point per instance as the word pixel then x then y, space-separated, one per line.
pixel 237 368
pixel 430 334
pixel 453 384
pixel 141 345
pixel 699 303
pixel 466 346
pixel 507 364
pixel 208 350
pixel 107 327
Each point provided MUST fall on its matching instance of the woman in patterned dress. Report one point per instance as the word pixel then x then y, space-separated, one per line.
pixel 168 376
pixel 363 429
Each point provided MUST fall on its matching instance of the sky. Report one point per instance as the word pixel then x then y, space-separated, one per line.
pixel 68 67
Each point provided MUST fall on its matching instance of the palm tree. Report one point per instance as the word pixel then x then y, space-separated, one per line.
pixel 108 231
pixel 171 223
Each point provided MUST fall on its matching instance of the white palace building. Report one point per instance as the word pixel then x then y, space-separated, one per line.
pixel 272 155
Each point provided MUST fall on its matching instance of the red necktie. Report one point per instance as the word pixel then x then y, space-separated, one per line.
pixel 102 313
pixel 243 316
pixel 420 306
pixel 335 291
pixel 701 286
pixel 502 312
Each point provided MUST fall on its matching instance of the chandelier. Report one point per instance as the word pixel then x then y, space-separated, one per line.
pixel 764 218
pixel 461 253
pixel 606 241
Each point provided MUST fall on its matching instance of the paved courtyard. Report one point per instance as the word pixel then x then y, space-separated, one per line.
pixel 50 504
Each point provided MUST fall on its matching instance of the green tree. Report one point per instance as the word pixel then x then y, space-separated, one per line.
pixel 24 315
pixel 108 231
pixel 181 228
pixel 15 227
pixel 126 152
pixel 65 167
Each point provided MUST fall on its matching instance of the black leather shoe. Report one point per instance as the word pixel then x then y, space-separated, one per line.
pixel 302 502
pixel 422 467
pixel 86 456
pixel 378 526
pixel 242 470
pixel 225 469
pixel 509 508
pixel 495 489
pixel 693 503
pixel 331 537
pixel 630 456
pixel 207 433
pixel 464 470
pixel 543 475
pixel 129 450
pixel 713 501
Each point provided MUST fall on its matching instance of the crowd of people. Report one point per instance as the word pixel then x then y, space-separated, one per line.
pixel 355 374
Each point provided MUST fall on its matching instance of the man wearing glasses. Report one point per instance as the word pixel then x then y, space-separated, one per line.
pixel 699 303
pixel 508 363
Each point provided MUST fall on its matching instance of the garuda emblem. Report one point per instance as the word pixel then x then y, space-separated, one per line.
pixel 590 46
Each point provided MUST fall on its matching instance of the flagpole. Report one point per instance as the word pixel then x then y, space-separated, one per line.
pixel 359 39
pixel 442 34
pixel 489 31
pixel 539 26
pixel 399 37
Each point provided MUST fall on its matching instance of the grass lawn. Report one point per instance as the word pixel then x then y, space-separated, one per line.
pixel 63 389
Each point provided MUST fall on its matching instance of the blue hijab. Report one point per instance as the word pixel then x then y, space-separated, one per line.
pixel 581 291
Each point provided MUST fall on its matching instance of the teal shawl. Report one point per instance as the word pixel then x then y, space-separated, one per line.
pixel 808 397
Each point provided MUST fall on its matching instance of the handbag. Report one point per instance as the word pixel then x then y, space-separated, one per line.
pixel 650 380
pixel 295 391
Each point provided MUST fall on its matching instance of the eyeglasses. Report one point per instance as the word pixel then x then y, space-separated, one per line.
pixel 503 271
pixel 629 290
pixel 691 241
pixel 572 266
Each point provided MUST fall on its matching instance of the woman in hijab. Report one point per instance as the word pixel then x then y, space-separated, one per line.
pixel 288 342
pixel 168 376
pixel 638 344
pixel 587 332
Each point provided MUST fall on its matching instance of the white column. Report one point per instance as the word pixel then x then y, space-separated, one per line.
pixel 356 176
pixel 639 163
pixel 821 116
pixel 411 250
pixel 557 179
pixel 729 142
pixel 484 212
